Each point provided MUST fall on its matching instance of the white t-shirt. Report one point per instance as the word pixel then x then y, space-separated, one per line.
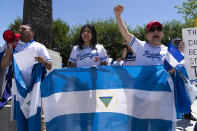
pixel 88 57
pixel 147 54
pixel 109 61
pixel 118 63
pixel 41 50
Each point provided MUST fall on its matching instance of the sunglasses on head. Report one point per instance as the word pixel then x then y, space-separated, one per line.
pixel 153 29
pixel 177 44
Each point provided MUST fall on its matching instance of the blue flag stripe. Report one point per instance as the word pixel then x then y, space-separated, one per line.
pixel 27 100
pixel 137 101
pixel 124 77
pixel 105 122
pixel 167 66
pixel 175 53
pixel 24 89
pixel 81 102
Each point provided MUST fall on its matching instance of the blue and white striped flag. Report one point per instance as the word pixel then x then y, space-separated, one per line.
pixel 173 57
pixel 110 98
pixel 27 100
pixel 5 80
pixel 5 94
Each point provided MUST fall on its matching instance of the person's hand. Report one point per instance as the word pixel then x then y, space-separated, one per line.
pixel 125 43
pixel 118 10
pixel 10 45
pixel 40 59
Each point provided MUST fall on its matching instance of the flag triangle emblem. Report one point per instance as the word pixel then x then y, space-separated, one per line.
pixel 28 103
pixel 106 100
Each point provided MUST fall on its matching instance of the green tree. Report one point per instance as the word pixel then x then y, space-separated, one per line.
pixel 15 26
pixel 189 11
pixel 60 42
pixel 109 35
pixel 171 30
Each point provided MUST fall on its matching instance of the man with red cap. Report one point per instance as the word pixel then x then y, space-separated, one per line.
pixel 147 53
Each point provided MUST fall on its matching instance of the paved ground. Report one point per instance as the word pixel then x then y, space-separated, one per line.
pixel 186 125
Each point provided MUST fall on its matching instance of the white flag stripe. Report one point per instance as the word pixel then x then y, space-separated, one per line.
pixel 173 62
pixel 35 96
pixel 136 103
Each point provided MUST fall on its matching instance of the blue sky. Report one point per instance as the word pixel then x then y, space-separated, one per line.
pixel 75 12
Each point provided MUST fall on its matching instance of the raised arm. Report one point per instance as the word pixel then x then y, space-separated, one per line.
pixel 124 52
pixel 121 25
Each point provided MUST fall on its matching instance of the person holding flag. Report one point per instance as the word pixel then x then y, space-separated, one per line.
pixel 5 80
pixel 152 52
pixel 27 97
pixel 179 44
pixel 2 70
pixel 24 43
pixel 88 53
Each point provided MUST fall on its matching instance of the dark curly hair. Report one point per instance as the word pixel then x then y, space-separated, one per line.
pixel 94 37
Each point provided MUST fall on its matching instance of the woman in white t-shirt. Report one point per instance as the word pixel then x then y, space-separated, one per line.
pixel 88 53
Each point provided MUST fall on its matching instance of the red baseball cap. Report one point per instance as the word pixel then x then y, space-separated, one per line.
pixel 150 24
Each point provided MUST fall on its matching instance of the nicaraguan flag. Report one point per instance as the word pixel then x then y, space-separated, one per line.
pixel 6 86
pixel 27 100
pixel 137 98
pixel 173 57
pixel 5 80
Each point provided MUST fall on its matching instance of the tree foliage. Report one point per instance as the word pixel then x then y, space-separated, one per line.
pixel 189 11
pixel 109 35
pixel 15 26
pixel 60 41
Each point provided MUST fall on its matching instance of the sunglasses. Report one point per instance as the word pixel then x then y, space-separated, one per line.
pixel 177 46
pixel 155 29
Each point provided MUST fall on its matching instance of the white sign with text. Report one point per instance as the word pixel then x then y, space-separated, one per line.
pixel 190 52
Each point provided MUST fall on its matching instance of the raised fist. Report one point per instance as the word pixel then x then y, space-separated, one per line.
pixel 118 10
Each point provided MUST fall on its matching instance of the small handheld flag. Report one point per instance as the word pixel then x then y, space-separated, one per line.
pixel 173 57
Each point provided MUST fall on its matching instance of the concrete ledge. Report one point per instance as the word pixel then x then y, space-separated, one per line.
pixel 56 58
pixel 5 123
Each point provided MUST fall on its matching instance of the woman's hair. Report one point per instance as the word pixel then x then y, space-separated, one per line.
pixel 94 37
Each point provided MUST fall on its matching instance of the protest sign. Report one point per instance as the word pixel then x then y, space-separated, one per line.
pixel 190 52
